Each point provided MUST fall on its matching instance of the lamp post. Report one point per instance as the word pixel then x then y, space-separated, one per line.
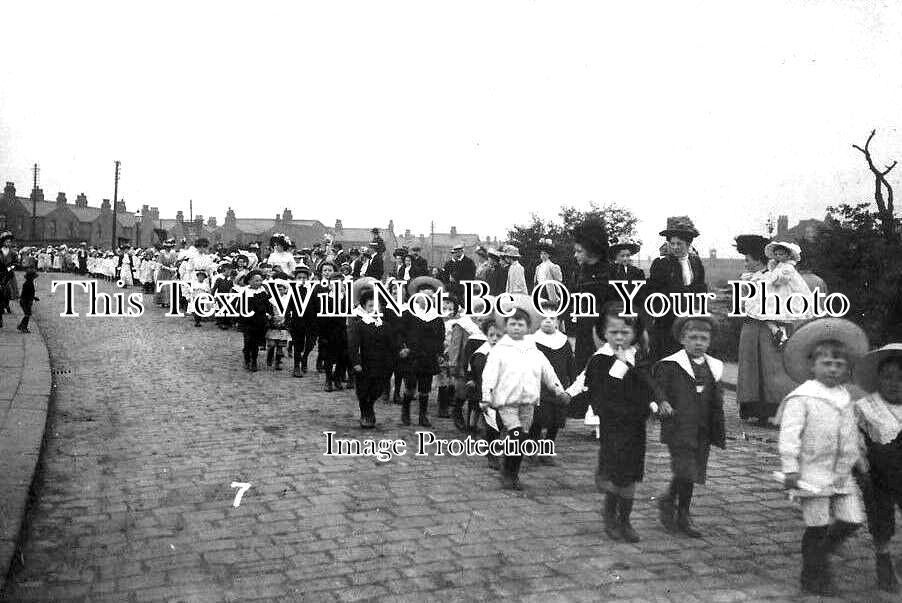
pixel 115 203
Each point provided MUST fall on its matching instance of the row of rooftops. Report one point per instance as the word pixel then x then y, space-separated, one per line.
pixel 252 226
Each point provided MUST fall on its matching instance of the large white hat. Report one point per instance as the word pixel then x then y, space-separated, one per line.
pixel 792 248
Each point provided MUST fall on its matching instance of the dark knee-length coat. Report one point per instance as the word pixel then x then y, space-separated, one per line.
pixel 620 394
pixel 698 418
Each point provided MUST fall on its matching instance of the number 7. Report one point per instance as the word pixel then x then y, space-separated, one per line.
pixel 242 488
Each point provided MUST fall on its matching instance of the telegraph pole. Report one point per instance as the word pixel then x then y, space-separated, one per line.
pixel 34 204
pixel 115 202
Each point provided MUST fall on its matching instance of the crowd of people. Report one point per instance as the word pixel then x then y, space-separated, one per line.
pixel 519 377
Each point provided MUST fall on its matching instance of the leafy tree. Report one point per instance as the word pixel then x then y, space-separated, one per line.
pixel 620 222
pixel 858 255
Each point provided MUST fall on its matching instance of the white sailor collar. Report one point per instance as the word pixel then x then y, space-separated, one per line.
pixel 682 359
pixel 367 318
pixel 878 420
pixel 555 340
pixel 607 350
pixel 485 348
pixel 838 396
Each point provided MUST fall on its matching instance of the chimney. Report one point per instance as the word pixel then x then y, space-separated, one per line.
pixel 9 191
pixel 230 219
pixel 454 231
pixel 155 213
pixel 199 220
pixel 391 226
pixel 61 198
pixel 37 194
pixel 179 216
pixel 81 200
pixel 407 233
pixel 105 206
pixel 145 210
pixel 286 215
pixel 782 225
pixel 338 227
pixel 120 207
pixel 211 221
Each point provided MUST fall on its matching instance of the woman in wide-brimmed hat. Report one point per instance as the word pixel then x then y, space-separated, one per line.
pixel 678 272
pixel 762 382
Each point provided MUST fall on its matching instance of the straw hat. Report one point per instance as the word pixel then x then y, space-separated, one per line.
pixel 523 302
pixel 866 368
pixel 792 248
pixel 797 353
pixel 419 281
pixel 509 251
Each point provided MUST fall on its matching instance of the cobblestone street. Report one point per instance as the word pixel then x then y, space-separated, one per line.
pixel 152 419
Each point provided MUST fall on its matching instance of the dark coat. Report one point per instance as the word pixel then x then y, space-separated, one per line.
pixel 425 340
pixel 418 267
pixel 666 276
pixel 371 347
pixel 625 273
pixel 260 305
pixel 698 419
pixel 550 412
pixel 376 268
pixel 885 461
pixel 622 407
pixel 592 279
pixel 463 269
pixel 294 319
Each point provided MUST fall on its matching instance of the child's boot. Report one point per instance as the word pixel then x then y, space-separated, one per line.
pixel 269 356
pixel 666 512
pixel 405 409
pixel 278 366
pixel 458 415
pixel 424 406
pixel 624 510
pixel 684 519
pixel 443 403
pixel 611 527
pixel 887 580
pixel 816 577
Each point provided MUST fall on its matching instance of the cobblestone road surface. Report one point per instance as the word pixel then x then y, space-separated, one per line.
pixel 153 419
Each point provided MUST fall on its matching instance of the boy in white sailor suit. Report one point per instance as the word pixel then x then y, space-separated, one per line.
pixel 690 401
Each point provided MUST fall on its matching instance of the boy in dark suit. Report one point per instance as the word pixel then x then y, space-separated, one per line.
pixel 690 402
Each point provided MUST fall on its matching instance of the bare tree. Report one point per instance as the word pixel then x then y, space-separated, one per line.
pixel 885 207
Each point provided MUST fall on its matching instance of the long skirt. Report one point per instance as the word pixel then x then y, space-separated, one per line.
pixel 166 274
pixel 762 382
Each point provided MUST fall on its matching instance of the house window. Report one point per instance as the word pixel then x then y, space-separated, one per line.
pixel 2 221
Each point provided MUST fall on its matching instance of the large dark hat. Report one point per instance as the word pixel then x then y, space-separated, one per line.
pixel 618 246
pixel 680 226
pixel 592 235
pixel 419 281
pixel 546 245
pixel 751 244
pixel 5 235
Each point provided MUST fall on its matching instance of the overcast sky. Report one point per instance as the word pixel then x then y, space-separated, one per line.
pixel 473 114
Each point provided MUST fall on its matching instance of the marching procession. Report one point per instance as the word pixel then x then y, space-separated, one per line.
pixel 518 377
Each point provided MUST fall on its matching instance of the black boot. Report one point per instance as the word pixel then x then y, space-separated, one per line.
pixel 443 403
pixel 887 580
pixel 624 510
pixel 684 519
pixel 424 406
pixel 611 527
pixel 510 468
pixel 816 577
pixel 666 512
pixel 269 356
pixel 405 409
pixel 458 415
